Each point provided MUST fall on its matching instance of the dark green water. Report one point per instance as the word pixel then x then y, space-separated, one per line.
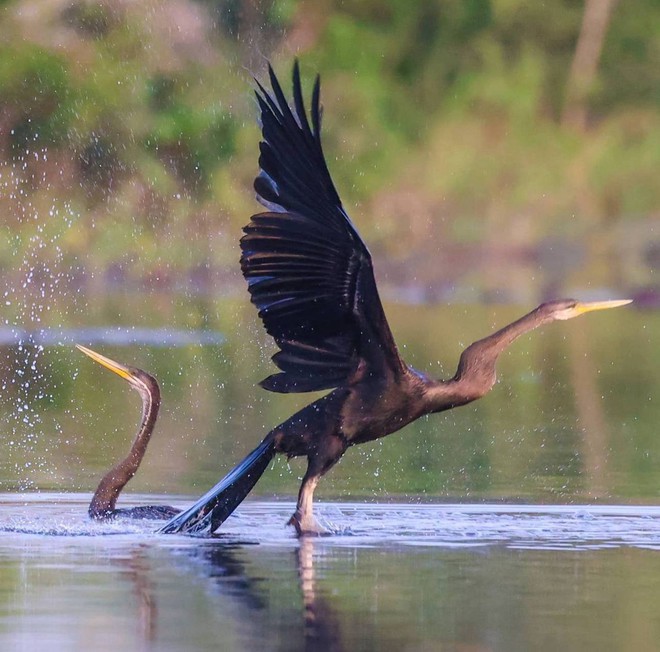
pixel 429 557
pixel 573 416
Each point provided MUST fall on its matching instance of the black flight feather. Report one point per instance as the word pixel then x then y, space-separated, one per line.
pixel 303 260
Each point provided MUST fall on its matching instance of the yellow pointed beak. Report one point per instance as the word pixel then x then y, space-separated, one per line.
pixel 588 306
pixel 119 369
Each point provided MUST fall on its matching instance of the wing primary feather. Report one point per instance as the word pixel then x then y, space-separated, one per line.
pixel 308 271
pixel 316 112
pixel 298 99
pixel 271 106
pixel 294 122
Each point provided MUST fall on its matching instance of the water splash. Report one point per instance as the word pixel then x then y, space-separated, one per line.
pixel 391 526
pixel 36 280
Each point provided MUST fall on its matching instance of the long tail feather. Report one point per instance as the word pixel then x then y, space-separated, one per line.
pixel 213 508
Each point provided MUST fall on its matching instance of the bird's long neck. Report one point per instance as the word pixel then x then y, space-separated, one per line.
pixel 475 375
pixel 112 483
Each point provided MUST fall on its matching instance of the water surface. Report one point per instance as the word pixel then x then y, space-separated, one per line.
pixel 397 576
pixel 525 521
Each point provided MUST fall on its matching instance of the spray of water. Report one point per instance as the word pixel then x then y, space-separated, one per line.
pixel 36 276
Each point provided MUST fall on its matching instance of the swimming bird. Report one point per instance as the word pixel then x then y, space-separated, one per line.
pixel 102 505
pixel 311 277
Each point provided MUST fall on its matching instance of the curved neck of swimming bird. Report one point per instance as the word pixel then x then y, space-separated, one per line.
pixel 111 485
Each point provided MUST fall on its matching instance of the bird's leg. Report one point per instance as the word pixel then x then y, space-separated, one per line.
pixel 303 518
pixel 323 452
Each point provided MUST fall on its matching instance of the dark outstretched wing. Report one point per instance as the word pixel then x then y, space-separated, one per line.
pixel 308 271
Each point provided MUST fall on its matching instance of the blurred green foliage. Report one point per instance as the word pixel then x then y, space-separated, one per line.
pixel 443 119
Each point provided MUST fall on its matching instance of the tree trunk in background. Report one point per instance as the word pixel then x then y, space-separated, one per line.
pixel 589 47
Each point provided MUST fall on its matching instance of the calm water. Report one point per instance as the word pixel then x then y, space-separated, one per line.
pixel 398 577
pixel 527 521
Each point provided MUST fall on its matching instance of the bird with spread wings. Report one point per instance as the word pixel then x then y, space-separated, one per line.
pixel 311 278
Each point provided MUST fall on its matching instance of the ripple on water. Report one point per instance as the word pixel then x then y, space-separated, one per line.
pixel 525 527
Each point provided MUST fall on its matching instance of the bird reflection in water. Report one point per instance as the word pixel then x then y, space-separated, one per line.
pixel 136 568
pixel 227 567
pixel 322 626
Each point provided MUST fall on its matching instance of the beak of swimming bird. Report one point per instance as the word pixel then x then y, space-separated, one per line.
pixel 118 368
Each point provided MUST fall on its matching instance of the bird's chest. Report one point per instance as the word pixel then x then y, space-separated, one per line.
pixel 372 413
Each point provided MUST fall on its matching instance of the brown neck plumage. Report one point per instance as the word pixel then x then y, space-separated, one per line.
pixel 475 375
pixel 105 497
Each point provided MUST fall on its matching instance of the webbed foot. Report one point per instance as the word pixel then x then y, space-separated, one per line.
pixel 307 525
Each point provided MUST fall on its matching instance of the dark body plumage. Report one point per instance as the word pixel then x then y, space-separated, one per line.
pixel 311 277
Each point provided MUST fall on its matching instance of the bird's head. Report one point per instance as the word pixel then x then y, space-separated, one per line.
pixel 568 308
pixel 140 380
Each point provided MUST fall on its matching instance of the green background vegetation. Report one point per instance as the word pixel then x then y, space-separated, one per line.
pixel 481 155
pixel 128 139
